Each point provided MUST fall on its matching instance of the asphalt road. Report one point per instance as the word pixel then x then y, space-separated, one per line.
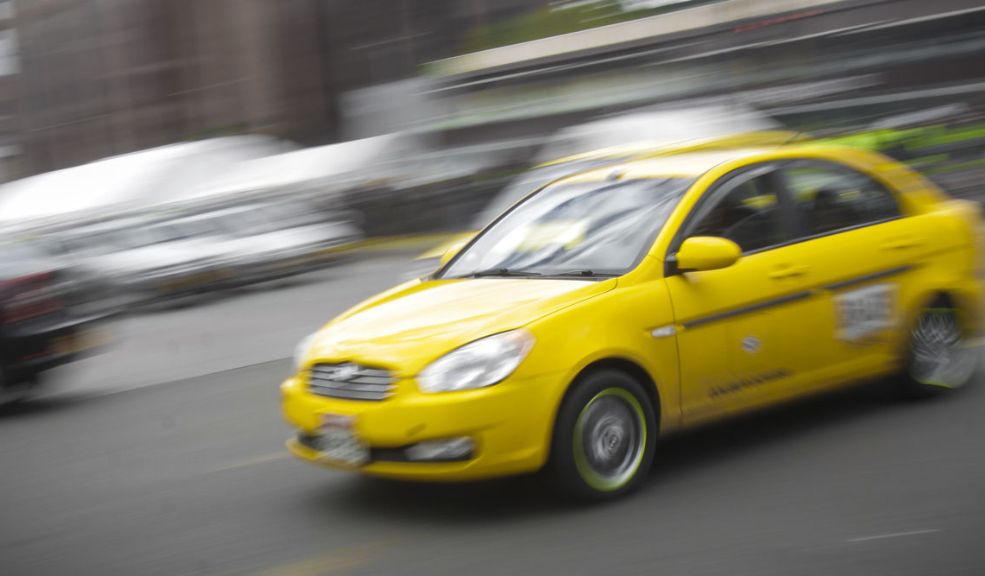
pixel 224 331
pixel 131 470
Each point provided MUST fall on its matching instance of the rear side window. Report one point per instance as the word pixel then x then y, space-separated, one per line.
pixel 833 197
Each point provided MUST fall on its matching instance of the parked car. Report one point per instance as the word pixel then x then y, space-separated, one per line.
pixel 92 295
pixel 264 241
pixel 148 259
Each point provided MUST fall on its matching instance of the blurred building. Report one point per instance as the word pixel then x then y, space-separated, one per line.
pixel 102 77
pixel 93 78
pixel 372 42
pixel 9 68
pixel 820 64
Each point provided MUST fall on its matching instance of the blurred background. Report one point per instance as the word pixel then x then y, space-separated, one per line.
pixel 329 122
pixel 189 187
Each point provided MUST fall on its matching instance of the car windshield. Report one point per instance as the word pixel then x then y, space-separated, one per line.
pixel 579 230
pixel 528 182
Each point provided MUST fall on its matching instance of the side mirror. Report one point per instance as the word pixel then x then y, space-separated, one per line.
pixel 707 253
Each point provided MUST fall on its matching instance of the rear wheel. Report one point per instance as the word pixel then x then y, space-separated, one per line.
pixel 940 356
pixel 604 437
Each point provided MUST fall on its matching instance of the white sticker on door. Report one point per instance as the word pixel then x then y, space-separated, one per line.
pixel 864 312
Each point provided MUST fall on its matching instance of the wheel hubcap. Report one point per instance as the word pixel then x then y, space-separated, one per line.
pixel 940 356
pixel 610 437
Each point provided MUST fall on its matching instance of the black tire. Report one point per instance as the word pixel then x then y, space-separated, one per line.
pixel 14 392
pixel 610 409
pixel 939 356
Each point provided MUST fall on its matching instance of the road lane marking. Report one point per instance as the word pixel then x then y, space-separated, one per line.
pixel 318 566
pixel 338 560
pixel 894 535
pixel 274 457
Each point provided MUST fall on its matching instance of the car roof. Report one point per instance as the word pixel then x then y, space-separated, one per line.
pixel 646 149
pixel 681 165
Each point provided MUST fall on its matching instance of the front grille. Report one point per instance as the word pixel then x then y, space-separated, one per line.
pixel 350 381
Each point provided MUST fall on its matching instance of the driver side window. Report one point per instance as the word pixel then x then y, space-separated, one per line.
pixel 745 211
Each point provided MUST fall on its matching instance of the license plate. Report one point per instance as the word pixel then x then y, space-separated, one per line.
pixel 337 441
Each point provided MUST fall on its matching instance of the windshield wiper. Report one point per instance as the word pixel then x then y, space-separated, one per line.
pixel 586 274
pixel 504 273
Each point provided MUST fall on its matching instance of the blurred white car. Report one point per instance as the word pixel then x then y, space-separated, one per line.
pixel 264 241
pixel 148 260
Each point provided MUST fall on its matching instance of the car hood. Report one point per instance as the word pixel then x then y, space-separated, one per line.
pixel 411 325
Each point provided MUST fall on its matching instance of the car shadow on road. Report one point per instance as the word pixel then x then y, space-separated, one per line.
pixel 681 455
pixel 705 446
pixel 45 405
pixel 465 503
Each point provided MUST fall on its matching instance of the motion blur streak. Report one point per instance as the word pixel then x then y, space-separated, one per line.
pixel 188 189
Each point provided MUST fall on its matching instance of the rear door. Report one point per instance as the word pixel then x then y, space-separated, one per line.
pixel 862 253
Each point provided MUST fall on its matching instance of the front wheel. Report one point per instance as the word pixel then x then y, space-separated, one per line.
pixel 940 356
pixel 604 438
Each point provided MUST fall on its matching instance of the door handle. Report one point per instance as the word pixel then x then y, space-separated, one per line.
pixel 902 243
pixel 789 271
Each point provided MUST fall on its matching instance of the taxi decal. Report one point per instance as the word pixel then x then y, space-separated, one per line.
pixel 748 382
pixel 864 312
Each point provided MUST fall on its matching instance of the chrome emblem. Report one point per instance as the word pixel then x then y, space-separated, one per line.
pixel 751 344
pixel 345 372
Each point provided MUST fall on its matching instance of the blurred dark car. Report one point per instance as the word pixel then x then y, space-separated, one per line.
pixel 90 294
pixel 38 328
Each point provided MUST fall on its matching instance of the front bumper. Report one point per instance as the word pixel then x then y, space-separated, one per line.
pixel 509 425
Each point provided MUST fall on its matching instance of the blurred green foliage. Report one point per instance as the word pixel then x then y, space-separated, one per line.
pixel 912 139
pixel 933 149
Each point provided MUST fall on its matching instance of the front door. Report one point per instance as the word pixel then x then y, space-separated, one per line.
pixel 738 329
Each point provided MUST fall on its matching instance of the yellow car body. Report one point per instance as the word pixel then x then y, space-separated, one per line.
pixel 704 344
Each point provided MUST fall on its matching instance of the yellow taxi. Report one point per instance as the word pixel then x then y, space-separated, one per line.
pixel 621 304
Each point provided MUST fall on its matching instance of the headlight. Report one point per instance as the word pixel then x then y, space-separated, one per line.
pixel 481 363
pixel 301 350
